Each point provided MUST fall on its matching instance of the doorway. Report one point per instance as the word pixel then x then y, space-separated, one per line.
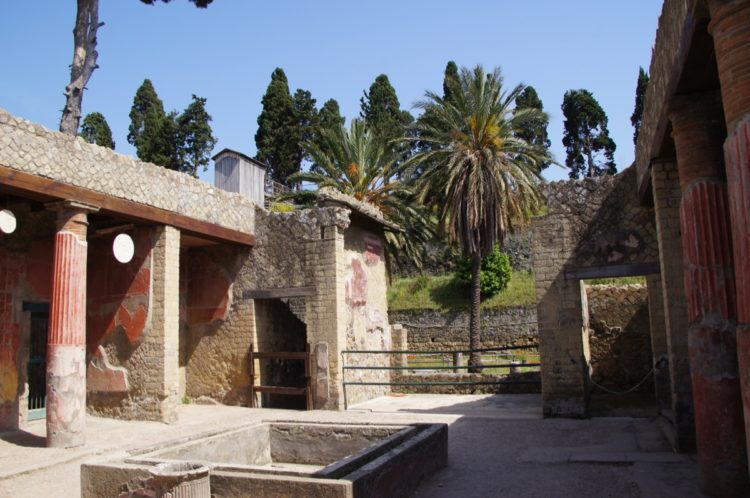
pixel 37 364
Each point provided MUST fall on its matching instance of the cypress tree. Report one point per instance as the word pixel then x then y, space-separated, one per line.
pixel 589 149
pixel 276 124
pixel 95 130
pixel 640 97
pixel 306 123
pixel 195 137
pixel 146 116
pixel 533 129
pixel 382 113
pixel 450 77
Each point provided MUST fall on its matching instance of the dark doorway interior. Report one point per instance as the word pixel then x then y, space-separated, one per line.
pixel 281 329
pixel 37 365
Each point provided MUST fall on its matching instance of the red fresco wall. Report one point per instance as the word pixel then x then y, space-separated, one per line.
pixel 118 294
pixel 23 276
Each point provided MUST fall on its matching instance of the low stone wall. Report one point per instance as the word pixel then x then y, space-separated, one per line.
pixel 619 339
pixel 445 331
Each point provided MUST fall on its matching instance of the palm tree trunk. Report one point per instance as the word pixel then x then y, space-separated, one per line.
pixel 475 330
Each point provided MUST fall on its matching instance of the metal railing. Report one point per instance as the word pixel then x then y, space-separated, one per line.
pixel 286 390
pixel 401 357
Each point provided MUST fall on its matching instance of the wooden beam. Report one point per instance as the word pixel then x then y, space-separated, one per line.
pixel 612 271
pixel 279 293
pixel 44 188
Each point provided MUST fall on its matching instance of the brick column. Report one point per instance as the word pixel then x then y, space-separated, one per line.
pixel 66 343
pixel 698 129
pixel 666 188
pixel 730 27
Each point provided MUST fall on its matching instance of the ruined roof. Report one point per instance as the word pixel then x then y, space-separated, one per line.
pixel 328 196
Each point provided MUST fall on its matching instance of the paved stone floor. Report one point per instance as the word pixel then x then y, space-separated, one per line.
pixel 499 445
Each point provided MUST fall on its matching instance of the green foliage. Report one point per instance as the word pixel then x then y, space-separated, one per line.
pixel 181 142
pixel 450 79
pixel 640 97
pixel 495 273
pixel 448 293
pixel 306 122
pixel 276 124
pixel 533 127
pixel 146 116
pixel 95 130
pixel 164 148
pixel 589 149
pixel 196 140
pixel 480 177
pixel 357 163
pixel 382 114
pixel 281 207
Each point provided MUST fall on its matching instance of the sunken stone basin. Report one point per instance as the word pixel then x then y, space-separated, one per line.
pixel 276 459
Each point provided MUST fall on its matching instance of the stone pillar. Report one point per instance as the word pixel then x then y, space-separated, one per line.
pixel 326 311
pixel 162 341
pixel 659 345
pixel 730 28
pixel 563 338
pixel 665 182
pixel 697 124
pixel 66 343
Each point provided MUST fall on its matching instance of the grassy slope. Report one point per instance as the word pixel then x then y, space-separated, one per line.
pixel 445 293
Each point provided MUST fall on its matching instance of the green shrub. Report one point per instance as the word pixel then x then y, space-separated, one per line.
pixel 420 283
pixel 495 275
pixel 281 207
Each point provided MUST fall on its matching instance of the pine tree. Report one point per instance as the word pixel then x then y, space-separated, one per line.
pixel 164 146
pixel 276 124
pixel 589 149
pixel 95 130
pixel 382 113
pixel 640 97
pixel 534 127
pixel 146 116
pixel 196 140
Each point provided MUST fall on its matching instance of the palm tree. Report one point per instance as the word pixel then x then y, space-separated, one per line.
pixel 478 173
pixel 358 164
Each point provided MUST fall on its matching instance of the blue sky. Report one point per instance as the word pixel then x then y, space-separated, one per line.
pixel 334 49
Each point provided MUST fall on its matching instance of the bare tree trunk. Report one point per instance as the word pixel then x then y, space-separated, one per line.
pixel 475 328
pixel 84 63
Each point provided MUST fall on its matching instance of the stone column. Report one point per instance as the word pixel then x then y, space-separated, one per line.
pixel 659 343
pixel 667 195
pixel 66 343
pixel 730 28
pixel 698 130
pixel 162 342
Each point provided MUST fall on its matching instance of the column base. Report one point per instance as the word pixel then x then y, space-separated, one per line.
pixel 66 396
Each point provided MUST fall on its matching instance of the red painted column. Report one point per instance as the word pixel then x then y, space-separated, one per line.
pixel 730 27
pixel 698 131
pixel 66 346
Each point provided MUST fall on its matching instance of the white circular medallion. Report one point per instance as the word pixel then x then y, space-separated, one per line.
pixel 123 248
pixel 7 221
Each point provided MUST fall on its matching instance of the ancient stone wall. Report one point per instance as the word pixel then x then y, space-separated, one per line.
pixel 592 224
pixel 33 149
pixel 444 331
pixel 620 336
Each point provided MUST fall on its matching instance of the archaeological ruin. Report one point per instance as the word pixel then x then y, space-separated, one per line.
pixel 127 289
pixel 679 217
